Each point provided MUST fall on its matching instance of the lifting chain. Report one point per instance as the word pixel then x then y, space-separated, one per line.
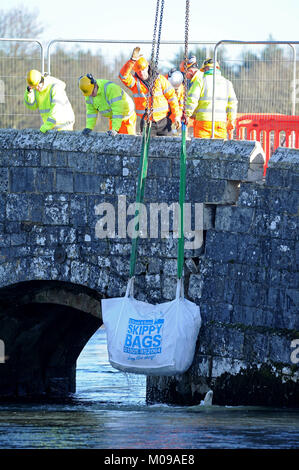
pixel 154 57
pixel 186 58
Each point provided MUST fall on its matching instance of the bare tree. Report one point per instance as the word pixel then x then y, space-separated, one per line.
pixel 19 22
pixel 16 59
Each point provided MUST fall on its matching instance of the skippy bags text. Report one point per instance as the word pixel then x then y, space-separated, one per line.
pixel 144 337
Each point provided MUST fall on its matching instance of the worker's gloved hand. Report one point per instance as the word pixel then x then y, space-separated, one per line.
pixel 86 131
pixel 112 132
pixel 43 128
pixel 135 53
pixel 177 123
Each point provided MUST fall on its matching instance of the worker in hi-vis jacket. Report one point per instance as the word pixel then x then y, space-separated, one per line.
pixel 47 94
pixel 200 97
pixel 135 75
pixel 111 101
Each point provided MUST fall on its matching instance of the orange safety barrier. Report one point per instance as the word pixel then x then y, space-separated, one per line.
pixel 267 129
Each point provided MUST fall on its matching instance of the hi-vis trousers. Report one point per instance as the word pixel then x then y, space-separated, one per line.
pixel 203 129
pixel 128 126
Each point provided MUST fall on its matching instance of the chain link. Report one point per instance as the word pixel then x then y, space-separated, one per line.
pixel 186 55
pixel 155 57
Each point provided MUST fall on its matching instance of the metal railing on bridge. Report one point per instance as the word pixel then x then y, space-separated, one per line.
pixel 263 73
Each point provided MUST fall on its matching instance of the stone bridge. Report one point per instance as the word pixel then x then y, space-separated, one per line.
pixel 59 256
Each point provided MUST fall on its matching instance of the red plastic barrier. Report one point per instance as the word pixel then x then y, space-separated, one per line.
pixel 260 126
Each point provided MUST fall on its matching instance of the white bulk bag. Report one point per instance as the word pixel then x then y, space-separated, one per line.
pixel 151 339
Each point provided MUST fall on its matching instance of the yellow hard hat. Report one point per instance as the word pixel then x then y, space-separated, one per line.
pixel 209 63
pixel 33 77
pixel 140 64
pixel 86 84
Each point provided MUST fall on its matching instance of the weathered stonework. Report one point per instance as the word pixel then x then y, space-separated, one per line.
pixel 53 266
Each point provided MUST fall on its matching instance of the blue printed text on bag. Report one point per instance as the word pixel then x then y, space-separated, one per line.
pixel 144 337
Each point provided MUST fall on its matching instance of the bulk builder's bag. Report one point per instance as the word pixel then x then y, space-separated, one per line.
pixel 151 339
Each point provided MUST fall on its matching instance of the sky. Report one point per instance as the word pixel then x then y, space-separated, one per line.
pixel 214 20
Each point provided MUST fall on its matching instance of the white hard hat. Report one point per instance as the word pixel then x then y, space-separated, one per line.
pixel 176 78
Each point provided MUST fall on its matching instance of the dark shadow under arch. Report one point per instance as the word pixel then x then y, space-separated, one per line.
pixel 44 325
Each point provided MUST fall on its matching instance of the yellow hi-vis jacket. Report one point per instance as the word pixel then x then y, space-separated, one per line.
pixel 112 102
pixel 200 96
pixel 53 104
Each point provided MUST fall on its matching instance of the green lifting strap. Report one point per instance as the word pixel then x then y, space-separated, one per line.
pixel 183 155
pixel 142 172
pixel 181 202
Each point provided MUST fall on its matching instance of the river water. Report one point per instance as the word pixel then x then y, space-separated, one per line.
pixel 108 411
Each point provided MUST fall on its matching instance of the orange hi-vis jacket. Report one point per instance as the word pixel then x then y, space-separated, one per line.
pixel 180 95
pixel 164 98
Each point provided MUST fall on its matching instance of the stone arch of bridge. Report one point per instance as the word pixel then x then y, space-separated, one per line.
pixel 45 326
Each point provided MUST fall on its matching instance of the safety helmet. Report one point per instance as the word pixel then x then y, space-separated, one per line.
pixel 86 84
pixel 176 78
pixel 209 63
pixel 33 78
pixel 191 62
pixel 140 64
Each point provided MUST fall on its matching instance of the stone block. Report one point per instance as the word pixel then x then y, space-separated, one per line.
pixel 234 218
pixel 222 246
pixel 256 346
pixel 4 180
pixel 7 138
pixel 168 190
pixel 81 162
pixel 54 158
pixel 24 207
pixel 56 210
pixel 34 139
pixel 122 186
pixel 111 165
pixel 84 183
pixel 195 168
pixel 78 210
pixel 154 266
pixel 22 180
pixel 280 349
pixel 219 340
pixel 159 167
pixel 44 180
pixel 248 157
pixel 64 181
pixel 283 168
pixel 32 157
pixel 212 191
pixel 282 254
pixel 130 166
pixel 101 143
pixel 196 283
